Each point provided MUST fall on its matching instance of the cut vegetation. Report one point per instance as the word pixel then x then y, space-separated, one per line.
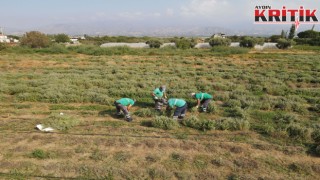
pixel 263 123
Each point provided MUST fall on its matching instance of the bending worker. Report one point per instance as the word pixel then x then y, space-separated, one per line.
pixel 203 100
pixel 181 107
pixel 159 97
pixel 124 105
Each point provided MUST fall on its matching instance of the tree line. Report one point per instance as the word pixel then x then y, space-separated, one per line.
pixel 35 39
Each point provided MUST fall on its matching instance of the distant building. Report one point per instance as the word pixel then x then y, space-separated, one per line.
pixel 14 40
pixel 5 39
pixel 219 35
pixel 131 45
pixel 200 40
pixel 168 44
pixel 75 40
pixel 202 46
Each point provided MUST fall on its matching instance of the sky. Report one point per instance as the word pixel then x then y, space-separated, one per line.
pixel 231 14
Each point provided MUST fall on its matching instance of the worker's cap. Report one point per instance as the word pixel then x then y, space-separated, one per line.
pixel 193 94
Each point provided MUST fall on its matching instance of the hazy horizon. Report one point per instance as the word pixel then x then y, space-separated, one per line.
pixel 141 17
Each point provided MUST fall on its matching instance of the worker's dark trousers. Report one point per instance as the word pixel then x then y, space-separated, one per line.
pixel 204 103
pixel 158 103
pixel 180 112
pixel 121 108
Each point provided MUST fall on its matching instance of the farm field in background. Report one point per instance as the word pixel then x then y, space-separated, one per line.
pixel 264 121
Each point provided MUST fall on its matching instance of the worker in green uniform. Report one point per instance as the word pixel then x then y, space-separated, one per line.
pixel 159 97
pixel 124 105
pixel 203 100
pixel 181 107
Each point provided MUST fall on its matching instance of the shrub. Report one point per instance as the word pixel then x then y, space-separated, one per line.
pixel 275 38
pixel 212 108
pixel 154 43
pixel 317 150
pixel 61 122
pixel 122 156
pixel 224 124
pixel 18 89
pixel 184 43
pixel 266 129
pixel 194 109
pixel 250 42
pixel 283 119
pixel 3 46
pixel 315 108
pixel 157 173
pixel 283 104
pixel 196 123
pixel 54 49
pixel 232 103
pixel 191 121
pixel 97 51
pixel 276 90
pixel 165 123
pixel 316 135
pixel 236 112
pixel 297 132
pixel 222 50
pixel 302 41
pixel 61 38
pixel 241 124
pixel 40 154
pixel 297 107
pixel 96 155
pixel 284 43
pixel 144 112
pixel 200 161
pixel 233 124
pixel 315 41
pixel 218 41
pixel 35 39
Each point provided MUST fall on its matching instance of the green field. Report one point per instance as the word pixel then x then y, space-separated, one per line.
pixel 264 122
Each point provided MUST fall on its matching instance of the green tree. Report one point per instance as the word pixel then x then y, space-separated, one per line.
pixel 35 39
pixel 275 38
pixel 292 32
pixel 235 38
pixel 61 38
pixel 218 41
pixel 250 42
pixel 308 34
pixel 283 34
pixel 14 37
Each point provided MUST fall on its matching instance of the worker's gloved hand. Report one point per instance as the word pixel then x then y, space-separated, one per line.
pixel 128 118
pixel 197 107
pixel 155 97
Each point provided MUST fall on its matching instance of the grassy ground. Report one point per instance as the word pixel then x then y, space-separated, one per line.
pixel 265 112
